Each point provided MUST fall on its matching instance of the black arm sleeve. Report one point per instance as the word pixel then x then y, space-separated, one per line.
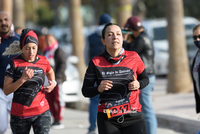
pixel 143 79
pixel 88 88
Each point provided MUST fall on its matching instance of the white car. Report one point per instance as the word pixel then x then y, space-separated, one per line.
pixel 157 29
pixel 71 87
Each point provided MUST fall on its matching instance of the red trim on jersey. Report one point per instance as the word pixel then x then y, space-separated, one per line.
pixel 43 62
pixel 132 61
pixel 30 33
pixel 37 107
pixel 39 103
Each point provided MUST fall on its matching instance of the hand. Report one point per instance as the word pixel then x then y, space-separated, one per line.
pixel 27 74
pixel 105 85
pixel 51 86
pixel 125 36
pixel 134 85
pixel 129 39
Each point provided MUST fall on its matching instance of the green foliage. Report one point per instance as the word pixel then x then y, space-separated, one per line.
pixel 85 2
pixel 45 15
pixel 191 8
pixel 155 8
pixel 41 13
pixel 29 11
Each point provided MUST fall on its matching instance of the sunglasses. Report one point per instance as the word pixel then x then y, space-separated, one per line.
pixel 196 36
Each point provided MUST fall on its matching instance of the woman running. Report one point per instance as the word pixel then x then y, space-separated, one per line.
pixel 120 75
pixel 25 75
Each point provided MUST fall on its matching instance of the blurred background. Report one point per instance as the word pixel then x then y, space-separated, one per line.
pixel 71 21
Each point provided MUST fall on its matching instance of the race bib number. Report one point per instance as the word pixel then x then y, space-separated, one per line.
pixel 117 108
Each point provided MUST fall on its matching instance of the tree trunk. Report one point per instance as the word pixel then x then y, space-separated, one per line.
pixel 179 78
pixel 76 25
pixel 123 11
pixel 7 6
pixel 139 9
pixel 19 14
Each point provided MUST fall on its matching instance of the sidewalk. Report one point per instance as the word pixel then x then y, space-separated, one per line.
pixel 76 122
pixel 175 113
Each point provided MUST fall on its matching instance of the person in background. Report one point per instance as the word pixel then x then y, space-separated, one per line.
pixel 94 47
pixel 42 44
pixel 120 76
pixel 141 43
pixel 25 76
pixel 57 59
pixel 18 30
pixel 195 67
pixel 7 37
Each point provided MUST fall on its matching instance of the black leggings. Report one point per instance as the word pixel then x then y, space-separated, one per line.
pixel 130 124
pixel 41 124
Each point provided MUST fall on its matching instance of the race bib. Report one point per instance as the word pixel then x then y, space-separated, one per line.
pixel 117 108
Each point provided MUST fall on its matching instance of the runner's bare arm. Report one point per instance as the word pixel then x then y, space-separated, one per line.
pixel 52 83
pixel 10 86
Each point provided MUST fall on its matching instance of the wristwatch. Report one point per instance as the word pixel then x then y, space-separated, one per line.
pixel 54 81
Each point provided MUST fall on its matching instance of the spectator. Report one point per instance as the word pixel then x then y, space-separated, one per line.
pixel 195 67
pixel 94 47
pixel 7 37
pixel 57 59
pixel 141 43
pixel 42 44
pixel 18 30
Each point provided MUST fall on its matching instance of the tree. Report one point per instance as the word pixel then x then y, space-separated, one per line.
pixel 76 25
pixel 7 6
pixel 179 79
pixel 123 11
pixel 100 7
pixel 45 15
pixel 18 14
pixel 192 8
pixel 139 9
pixel 155 8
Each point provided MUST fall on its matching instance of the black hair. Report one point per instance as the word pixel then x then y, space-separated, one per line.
pixel 196 27
pixel 107 25
pixel 38 33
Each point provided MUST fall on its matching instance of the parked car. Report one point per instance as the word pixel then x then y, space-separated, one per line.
pixel 157 29
pixel 72 85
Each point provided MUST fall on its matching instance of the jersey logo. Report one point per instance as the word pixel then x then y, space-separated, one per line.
pixel 42 103
pixel 38 71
